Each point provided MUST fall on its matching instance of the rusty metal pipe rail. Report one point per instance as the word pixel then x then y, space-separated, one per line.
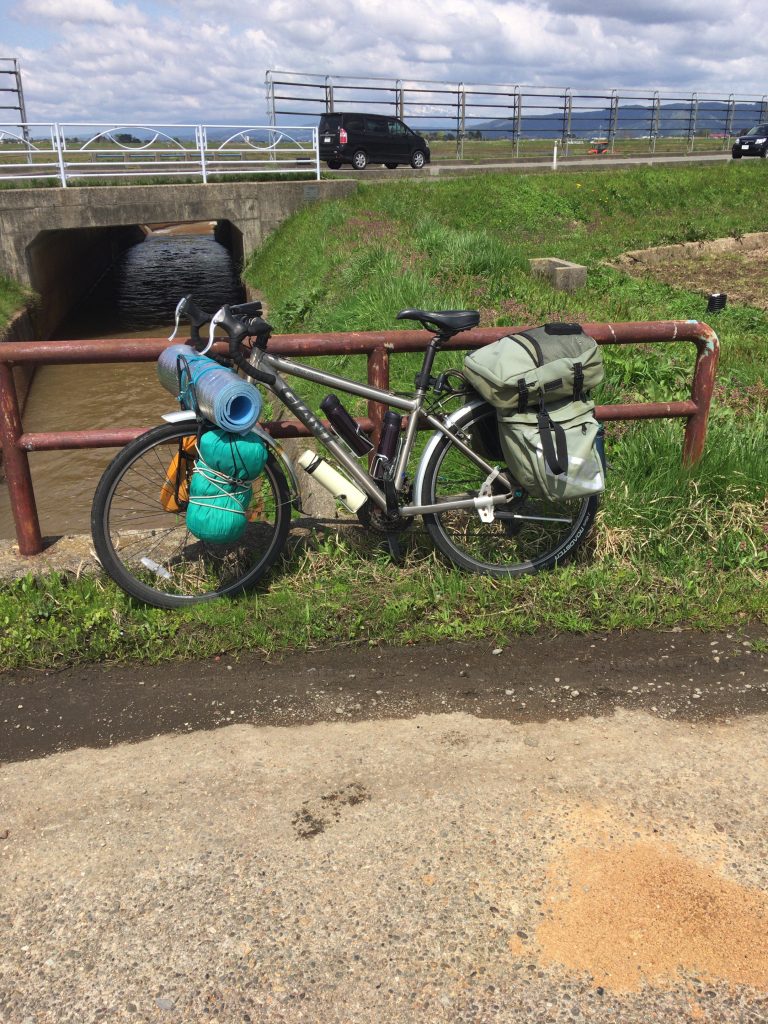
pixel 377 345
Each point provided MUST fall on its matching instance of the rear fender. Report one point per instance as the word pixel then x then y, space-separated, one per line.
pixel 456 419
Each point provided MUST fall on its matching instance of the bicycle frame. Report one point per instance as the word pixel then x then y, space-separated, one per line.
pixel 413 406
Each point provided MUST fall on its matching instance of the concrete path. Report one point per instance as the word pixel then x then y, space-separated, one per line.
pixel 606 862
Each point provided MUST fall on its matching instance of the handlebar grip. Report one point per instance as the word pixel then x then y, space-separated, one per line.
pixel 250 371
pixel 248 308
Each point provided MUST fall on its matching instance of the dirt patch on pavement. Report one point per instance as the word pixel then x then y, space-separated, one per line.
pixel 737 266
pixel 167 880
pixel 640 913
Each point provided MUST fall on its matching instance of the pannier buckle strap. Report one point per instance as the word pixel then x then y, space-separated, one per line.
pixel 578 382
pixel 522 395
pixel 555 455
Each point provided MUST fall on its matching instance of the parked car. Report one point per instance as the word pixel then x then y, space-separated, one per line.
pixel 360 139
pixel 751 143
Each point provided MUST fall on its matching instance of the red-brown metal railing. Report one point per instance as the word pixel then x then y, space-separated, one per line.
pixel 377 345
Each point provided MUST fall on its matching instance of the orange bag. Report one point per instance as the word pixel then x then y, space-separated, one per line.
pixel 168 490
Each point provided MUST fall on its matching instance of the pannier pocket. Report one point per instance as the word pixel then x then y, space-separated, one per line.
pixel 535 448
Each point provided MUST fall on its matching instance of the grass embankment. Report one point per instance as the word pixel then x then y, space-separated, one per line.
pixel 12 298
pixel 671 546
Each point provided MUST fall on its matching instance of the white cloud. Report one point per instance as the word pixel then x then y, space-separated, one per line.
pixel 100 12
pixel 168 60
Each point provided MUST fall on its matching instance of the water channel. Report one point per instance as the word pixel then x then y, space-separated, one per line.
pixel 135 298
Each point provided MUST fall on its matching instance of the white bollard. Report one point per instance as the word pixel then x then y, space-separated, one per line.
pixel 554 158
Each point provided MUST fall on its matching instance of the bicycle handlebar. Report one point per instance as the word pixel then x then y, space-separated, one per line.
pixel 240 321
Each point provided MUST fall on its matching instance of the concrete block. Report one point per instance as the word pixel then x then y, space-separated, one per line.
pixel 562 275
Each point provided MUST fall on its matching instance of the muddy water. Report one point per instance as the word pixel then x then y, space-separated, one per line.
pixel 136 298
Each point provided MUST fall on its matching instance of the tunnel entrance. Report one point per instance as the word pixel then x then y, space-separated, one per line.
pixel 128 286
pixel 128 280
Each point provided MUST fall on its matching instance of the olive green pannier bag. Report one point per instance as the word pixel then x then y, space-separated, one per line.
pixel 539 382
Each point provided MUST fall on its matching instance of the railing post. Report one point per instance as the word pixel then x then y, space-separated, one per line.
pixel 378 377
pixel 702 386
pixel 18 476
pixel 57 134
pixel 202 142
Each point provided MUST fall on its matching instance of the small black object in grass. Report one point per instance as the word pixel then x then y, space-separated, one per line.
pixel 716 302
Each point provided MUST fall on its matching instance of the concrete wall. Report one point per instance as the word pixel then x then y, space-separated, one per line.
pixel 63 266
pixel 21 328
pixel 253 209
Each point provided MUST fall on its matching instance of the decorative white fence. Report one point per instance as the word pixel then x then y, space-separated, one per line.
pixel 69 152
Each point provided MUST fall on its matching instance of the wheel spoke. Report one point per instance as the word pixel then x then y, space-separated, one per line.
pixel 147 548
pixel 525 534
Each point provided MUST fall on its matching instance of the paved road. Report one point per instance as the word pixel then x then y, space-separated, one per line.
pixel 566 829
pixel 454 168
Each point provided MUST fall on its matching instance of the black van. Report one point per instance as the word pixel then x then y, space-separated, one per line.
pixel 360 139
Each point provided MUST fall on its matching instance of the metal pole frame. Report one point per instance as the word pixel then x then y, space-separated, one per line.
pixel 270 87
pixel 692 115
pixel 378 345
pixel 614 120
pixel 729 121
pixel 328 87
pixel 567 115
pixel 517 106
pixel 461 120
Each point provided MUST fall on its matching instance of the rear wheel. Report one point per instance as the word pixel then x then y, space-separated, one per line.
pixel 736 156
pixel 139 527
pixel 527 535
pixel 334 164
pixel 418 159
pixel 359 160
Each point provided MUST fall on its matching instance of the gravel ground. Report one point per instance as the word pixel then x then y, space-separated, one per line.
pixel 580 857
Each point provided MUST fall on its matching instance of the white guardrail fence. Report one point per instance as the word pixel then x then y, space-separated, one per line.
pixel 69 152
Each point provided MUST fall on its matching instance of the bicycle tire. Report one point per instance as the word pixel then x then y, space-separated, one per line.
pixel 148 550
pixel 544 533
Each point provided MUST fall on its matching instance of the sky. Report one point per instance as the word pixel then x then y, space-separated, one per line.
pixel 205 61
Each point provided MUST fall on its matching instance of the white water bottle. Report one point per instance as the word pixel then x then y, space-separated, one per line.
pixel 342 489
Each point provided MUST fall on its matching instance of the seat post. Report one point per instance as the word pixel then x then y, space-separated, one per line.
pixel 422 378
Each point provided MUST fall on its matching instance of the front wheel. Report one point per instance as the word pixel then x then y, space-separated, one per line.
pixel 527 535
pixel 139 526
pixel 418 159
pixel 334 164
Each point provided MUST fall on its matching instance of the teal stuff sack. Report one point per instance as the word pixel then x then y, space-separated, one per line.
pixel 241 457
pixel 217 507
pixel 220 491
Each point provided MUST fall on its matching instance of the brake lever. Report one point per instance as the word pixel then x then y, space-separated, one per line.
pixel 218 317
pixel 186 306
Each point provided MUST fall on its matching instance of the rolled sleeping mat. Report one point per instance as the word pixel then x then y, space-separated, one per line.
pixel 222 397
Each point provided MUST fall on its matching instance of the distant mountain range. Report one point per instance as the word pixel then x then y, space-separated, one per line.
pixel 633 121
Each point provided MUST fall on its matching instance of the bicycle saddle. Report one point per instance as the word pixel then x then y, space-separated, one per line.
pixel 448 320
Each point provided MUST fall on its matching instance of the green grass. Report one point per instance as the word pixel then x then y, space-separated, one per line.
pixel 671 546
pixel 12 299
